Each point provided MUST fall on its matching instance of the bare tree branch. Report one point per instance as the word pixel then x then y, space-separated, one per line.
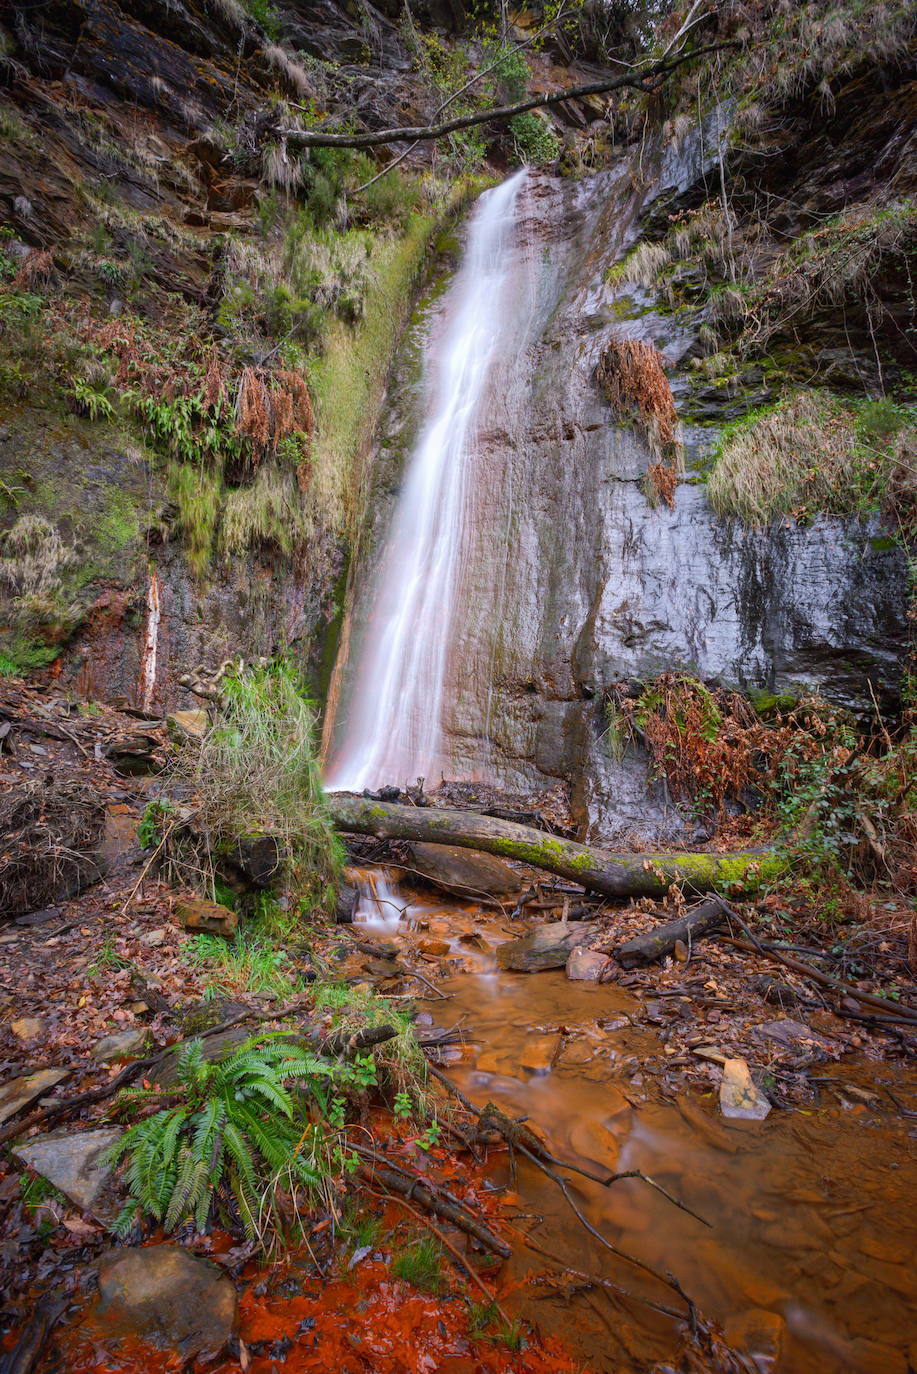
pixel 647 78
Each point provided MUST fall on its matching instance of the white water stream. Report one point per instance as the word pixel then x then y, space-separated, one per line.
pixel 392 725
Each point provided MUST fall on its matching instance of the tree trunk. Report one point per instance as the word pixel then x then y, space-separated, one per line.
pixel 614 875
pixel 646 949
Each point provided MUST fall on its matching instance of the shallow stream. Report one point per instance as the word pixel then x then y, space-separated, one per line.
pixel 807 1261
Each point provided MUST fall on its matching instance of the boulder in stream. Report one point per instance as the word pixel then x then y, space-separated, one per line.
pixel 464 871
pixel 168 1297
pixel 545 946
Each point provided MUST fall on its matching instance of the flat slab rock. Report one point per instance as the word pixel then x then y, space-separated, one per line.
pixel 544 947
pixel 74 1163
pixel 19 1092
pixel 464 870
pixel 126 1044
pixel 168 1297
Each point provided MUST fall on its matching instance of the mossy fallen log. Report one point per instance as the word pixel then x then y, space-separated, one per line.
pixel 613 875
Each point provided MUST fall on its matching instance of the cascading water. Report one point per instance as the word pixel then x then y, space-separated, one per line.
pixel 392 725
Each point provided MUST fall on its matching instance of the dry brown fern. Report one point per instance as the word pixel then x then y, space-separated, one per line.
pixel 632 377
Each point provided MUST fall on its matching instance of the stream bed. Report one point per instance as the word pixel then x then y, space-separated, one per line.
pixel 807 1261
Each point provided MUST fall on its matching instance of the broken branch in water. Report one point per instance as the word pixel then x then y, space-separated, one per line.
pixel 519 1139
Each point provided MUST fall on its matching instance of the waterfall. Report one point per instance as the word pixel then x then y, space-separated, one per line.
pixel 391 730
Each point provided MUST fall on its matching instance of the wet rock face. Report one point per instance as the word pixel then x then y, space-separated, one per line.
pixel 572 580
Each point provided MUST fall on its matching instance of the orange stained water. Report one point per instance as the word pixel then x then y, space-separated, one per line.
pixel 811 1243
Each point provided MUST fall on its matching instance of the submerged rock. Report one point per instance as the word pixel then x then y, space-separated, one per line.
pixel 545 946
pixel 463 870
pixel 759 1334
pixel 75 1163
pixel 164 1295
pixel 739 1098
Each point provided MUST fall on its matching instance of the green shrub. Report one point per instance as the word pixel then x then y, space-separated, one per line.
pixel 250 962
pixel 263 1122
pixel 421 1265
pixel 534 139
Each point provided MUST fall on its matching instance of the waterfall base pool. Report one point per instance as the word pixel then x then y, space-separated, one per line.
pixel 806 1263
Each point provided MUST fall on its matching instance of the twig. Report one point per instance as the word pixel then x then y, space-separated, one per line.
pixel 456 1254
pixel 593 1278
pixel 408 1185
pixel 899 1010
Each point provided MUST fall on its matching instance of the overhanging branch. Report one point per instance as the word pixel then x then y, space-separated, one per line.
pixel 647 78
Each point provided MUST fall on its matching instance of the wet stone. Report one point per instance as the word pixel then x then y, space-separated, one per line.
pixel 587 965
pixel 168 1297
pixel 75 1164
pixel 545 947
pixel 462 870
pixel 28 1028
pixel 739 1098
pixel 125 1044
pixel 19 1092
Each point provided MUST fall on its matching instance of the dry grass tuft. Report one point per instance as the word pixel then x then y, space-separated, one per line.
pixel 35 267
pixel 631 375
pixel 813 451
pixel 295 75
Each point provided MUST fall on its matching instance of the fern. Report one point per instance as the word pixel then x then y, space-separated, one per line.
pixel 239 1127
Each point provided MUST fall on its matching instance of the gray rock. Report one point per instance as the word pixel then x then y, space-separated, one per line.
pixel 546 946
pixel 74 1162
pixel 164 1295
pixel 19 1092
pixel 124 1044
